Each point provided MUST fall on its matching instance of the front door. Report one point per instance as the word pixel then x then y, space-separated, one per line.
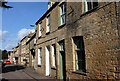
pixel 48 61
pixel 34 58
pixel 62 65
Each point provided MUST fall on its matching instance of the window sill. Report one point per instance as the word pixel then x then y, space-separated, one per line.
pixel 53 68
pixel 87 12
pixel 78 72
pixel 47 33
pixel 61 26
pixel 39 65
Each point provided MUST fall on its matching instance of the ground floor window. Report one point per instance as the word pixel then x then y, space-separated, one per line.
pixel 79 54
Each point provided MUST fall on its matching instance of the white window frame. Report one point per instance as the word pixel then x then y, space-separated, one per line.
pixel 40 29
pixel 62 13
pixel 86 4
pixel 39 56
pixel 34 40
pixel 48 24
pixel 53 55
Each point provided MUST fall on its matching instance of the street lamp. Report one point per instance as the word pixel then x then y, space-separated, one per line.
pixel 32 25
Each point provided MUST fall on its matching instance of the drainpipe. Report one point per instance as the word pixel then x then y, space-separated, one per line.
pixel 116 13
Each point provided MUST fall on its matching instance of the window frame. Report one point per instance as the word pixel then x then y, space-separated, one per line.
pixel 40 56
pixel 48 24
pixel 79 49
pixel 40 29
pixel 88 4
pixel 63 13
pixel 54 55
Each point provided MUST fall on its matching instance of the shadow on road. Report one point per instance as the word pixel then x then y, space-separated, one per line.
pixel 12 68
pixel 3 79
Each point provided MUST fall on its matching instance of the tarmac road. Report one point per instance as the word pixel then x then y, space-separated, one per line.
pixel 15 73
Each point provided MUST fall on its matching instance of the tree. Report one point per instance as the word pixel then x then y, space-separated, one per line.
pixel 4 54
pixel 0 54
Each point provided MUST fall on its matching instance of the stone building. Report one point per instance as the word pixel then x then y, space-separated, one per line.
pixel 19 53
pixel 13 55
pixel 30 46
pixel 79 40
pixel 10 56
pixel 24 55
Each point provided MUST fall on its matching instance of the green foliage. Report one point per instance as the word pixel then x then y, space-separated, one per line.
pixel 4 54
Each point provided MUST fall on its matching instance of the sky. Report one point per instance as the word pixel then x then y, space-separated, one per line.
pixel 16 21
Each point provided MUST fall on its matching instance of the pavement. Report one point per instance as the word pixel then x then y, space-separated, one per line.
pixel 32 73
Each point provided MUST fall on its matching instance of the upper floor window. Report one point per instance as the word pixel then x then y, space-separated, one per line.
pixel 90 4
pixel 48 24
pixel 40 29
pixel 62 13
pixel 49 4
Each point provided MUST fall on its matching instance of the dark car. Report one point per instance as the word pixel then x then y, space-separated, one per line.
pixel 2 64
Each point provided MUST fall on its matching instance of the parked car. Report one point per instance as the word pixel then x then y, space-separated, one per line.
pixel 7 62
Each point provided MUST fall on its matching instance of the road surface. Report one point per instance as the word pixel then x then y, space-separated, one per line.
pixel 15 73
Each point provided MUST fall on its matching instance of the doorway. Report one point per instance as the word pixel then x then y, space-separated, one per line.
pixel 33 58
pixel 62 63
pixel 48 61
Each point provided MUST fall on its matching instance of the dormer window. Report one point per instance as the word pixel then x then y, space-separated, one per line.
pixel 49 5
pixel 62 13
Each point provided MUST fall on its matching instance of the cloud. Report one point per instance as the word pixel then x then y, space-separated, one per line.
pixel 23 32
pixel 3 35
pixel 9 46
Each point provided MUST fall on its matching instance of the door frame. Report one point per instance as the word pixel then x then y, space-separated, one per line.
pixel 62 61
